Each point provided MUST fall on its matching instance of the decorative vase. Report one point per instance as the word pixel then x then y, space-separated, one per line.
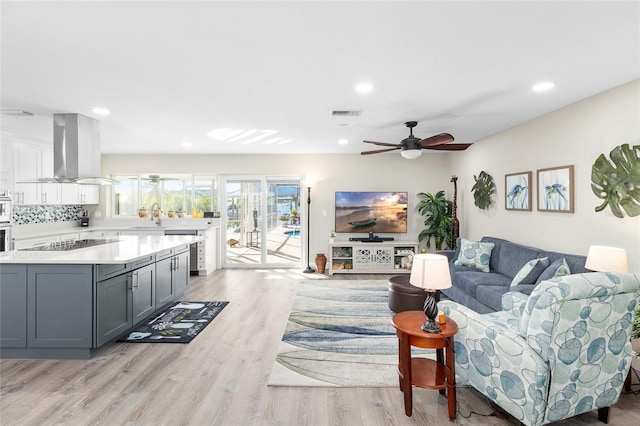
pixel 321 262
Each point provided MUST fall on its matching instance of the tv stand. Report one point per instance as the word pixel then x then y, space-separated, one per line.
pixel 357 256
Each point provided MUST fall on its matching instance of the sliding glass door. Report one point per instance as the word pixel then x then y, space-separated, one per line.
pixel 261 222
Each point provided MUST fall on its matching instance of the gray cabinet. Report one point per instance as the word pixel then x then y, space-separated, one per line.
pixel 181 273
pixel 114 313
pixel 172 275
pixel 124 299
pixel 164 282
pixel 13 306
pixel 60 306
pixel 143 297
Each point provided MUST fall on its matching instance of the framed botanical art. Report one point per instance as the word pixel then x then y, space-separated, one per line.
pixel 517 191
pixel 555 189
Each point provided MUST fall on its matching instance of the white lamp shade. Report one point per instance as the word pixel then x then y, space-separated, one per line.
pixel 430 271
pixel 411 154
pixel 607 259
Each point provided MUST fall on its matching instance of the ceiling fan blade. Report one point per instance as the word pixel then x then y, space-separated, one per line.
pixel 381 143
pixel 440 139
pixel 377 151
pixel 450 147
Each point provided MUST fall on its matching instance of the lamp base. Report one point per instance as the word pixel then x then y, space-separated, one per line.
pixel 430 326
pixel 309 270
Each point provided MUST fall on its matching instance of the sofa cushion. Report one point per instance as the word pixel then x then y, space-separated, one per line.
pixel 513 256
pixel 474 254
pixel 469 281
pixel 491 295
pixel 530 272
pixel 495 253
pixel 574 261
pixel 558 268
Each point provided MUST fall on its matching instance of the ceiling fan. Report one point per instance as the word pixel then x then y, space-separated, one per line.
pixel 412 146
pixel 154 178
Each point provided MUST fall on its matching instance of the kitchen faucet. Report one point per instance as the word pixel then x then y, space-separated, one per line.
pixel 153 209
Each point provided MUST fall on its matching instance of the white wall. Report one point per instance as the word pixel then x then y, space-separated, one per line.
pixel 576 135
pixel 382 172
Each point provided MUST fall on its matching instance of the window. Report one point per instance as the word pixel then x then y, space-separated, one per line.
pixel 171 192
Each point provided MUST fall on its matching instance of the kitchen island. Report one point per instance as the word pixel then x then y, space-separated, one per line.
pixel 69 304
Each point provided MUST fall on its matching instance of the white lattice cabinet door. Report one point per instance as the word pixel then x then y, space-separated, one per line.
pixel 383 258
pixel 362 258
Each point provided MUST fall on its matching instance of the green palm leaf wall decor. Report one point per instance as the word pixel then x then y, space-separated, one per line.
pixel 617 182
pixel 483 189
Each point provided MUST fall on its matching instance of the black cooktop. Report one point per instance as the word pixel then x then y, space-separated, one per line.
pixel 70 245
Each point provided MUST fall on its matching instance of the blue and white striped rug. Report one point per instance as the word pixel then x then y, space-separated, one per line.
pixel 339 333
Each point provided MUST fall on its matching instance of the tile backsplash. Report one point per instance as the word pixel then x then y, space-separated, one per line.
pixel 27 215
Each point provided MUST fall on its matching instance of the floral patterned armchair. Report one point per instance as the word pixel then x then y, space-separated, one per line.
pixel 562 351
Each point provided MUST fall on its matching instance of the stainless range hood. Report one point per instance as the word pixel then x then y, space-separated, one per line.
pixel 76 151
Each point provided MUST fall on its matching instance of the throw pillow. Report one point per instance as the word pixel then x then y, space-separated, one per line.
pixel 530 271
pixel 474 254
pixel 558 268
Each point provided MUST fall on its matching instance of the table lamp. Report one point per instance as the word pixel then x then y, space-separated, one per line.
pixel 431 272
pixel 607 259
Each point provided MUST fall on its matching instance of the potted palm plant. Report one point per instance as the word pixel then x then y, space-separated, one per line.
pixel 437 212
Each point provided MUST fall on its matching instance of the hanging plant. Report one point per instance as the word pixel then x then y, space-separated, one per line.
pixel 482 190
pixel 617 182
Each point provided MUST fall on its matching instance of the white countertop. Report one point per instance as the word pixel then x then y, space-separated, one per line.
pixel 126 249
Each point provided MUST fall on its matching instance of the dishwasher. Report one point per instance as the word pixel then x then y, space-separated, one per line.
pixel 193 249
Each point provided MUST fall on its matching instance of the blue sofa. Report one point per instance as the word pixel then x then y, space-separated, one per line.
pixel 482 291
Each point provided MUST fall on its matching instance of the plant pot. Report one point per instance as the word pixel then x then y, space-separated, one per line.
pixel 321 262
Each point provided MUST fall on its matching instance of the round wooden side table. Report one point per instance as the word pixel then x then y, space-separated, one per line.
pixel 422 372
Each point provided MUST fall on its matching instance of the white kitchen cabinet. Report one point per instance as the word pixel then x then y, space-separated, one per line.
pixel 6 165
pixel 389 257
pixel 80 194
pixel 50 193
pixel 205 262
pixel 27 164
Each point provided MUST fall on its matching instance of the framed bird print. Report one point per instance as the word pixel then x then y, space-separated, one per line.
pixel 555 189
pixel 517 191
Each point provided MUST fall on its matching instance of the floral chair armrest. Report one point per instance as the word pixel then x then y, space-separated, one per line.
pixel 497 361
pixel 514 302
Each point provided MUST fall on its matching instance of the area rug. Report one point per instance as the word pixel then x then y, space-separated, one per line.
pixel 180 323
pixel 339 333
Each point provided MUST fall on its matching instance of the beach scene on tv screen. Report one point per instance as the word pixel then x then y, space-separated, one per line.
pixel 371 212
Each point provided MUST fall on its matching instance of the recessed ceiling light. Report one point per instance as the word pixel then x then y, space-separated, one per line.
pixel 101 111
pixel 343 141
pixel 542 87
pixel 187 144
pixel 364 87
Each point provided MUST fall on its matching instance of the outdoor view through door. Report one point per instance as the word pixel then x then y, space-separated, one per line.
pixel 263 222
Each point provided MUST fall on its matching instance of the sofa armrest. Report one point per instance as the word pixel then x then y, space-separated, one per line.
pixel 514 302
pixel 448 253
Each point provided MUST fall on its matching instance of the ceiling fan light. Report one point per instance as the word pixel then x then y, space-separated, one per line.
pixel 411 154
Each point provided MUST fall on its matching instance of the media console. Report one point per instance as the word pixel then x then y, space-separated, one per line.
pixel 352 257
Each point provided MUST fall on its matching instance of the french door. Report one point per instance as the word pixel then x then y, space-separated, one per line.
pixel 262 224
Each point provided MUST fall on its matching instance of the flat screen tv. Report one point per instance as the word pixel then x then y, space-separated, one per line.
pixel 364 212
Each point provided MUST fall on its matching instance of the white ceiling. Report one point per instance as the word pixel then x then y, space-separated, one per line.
pixel 170 72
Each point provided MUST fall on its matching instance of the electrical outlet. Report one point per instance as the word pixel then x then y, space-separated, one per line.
pixel 324 213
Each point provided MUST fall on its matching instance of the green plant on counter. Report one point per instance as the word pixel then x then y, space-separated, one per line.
pixel 437 212
pixel 483 189
pixel 617 182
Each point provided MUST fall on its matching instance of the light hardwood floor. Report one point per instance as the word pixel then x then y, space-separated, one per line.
pixel 220 378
